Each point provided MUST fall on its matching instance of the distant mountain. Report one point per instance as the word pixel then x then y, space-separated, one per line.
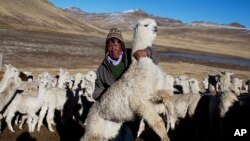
pixel 235 24
pixel 75 10
pixel 124 20
pixel 216 25
pixel 41 15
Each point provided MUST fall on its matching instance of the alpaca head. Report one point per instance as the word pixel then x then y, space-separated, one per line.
pixel 90 76
pixel 194 85
pixel 43 83
pixel 77 80
pixel 11 71
pixel 63 77
pixel 145 32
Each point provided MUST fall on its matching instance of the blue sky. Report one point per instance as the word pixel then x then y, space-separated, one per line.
pixel 218 11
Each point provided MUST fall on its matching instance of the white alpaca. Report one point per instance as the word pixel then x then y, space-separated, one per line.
pixel 26 105
pixel 128 97
pixel 230 89
pixel 55 99
pixel 32 89
pixel 86 87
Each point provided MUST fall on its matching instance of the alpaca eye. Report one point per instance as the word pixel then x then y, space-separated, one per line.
pixel 146 25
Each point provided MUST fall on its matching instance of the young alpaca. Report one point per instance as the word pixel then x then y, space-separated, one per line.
pixel 26 104
pixel 86 87
pixel 31 89
pixel 128 97
pixel 55 100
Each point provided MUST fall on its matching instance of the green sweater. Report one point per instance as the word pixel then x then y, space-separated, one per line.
pixel 117 70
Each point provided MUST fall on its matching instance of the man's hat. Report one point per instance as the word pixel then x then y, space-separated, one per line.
pixel 115 33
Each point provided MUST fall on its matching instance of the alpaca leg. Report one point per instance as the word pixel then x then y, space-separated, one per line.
pixel 146 110
pixel 8 121
pixel 171 115
pixel 1 117
pixel 41 117
pixel 29 121
pixel 17 120
pixel 141 128
pixel 163 112
pixel 81 106
pixel 23 118
pixel 50 118
pixel 167 97
pixel 76 115
pixel 34 122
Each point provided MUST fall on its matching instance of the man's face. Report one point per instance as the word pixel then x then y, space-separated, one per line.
pixel 114 48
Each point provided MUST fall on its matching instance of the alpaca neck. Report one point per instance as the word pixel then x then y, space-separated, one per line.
pixel 61 82
pixel 41 91
pixel 4 82
pixel 140 44
pixel 8 92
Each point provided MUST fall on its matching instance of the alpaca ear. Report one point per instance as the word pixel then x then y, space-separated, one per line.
pixel 135 26
pixel 6 66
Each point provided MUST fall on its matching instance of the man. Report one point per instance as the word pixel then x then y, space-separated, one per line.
pixel 116 62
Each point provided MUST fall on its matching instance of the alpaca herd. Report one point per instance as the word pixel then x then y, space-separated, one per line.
pixel 32 98
pixel 167 104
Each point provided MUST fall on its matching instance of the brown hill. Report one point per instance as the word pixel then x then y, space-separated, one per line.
pixel 41 15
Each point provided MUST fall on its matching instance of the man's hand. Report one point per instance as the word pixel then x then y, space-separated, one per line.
pixel 140 53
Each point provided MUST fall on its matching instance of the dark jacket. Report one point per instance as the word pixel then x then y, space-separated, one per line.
pixel 105 78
